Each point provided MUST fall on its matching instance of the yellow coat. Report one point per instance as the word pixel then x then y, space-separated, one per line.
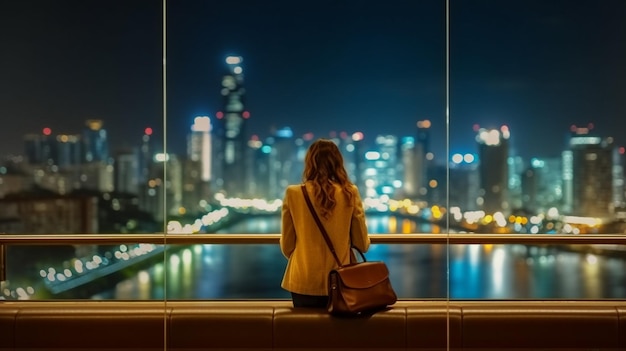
pixel 309 259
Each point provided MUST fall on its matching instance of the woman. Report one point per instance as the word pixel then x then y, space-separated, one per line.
pixel 339 207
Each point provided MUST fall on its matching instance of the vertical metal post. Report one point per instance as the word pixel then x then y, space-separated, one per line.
pixel 3 263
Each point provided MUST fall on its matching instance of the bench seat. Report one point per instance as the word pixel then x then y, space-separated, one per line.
pixel 275 325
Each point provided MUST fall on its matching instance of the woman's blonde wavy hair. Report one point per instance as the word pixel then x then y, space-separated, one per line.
pixel 323 165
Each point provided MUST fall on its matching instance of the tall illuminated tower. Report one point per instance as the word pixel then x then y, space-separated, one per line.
pixel 67 150
pixel 417 172
pixel 231 149
pixel 381 171
pixel 95 142
pixel 588 166
pixel 40 148
pixel 199 145
pixel 493 169
pixel 146 155
pixel 198 174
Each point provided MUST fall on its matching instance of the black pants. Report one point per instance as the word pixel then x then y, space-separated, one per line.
pixel 300 300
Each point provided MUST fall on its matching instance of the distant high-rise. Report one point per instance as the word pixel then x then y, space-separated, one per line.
pixel 146 156
pixel 514 183
pixel 95 142
pixel 464 182
pixel 198 166
pixel 199 145
pixel 282 158
pixel 45 149
pixel 589 166
pixel 493 169
pixel 351 147
pixel 67 150
pixel 618 179
pixel 231 143
pixel 381 167
pixel 165 187
pixel 40 148
pixel 542 184
pixel 260 179
pixel 126 172
pixel 421 160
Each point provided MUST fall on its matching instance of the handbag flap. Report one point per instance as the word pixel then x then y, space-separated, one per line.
pixel 363 275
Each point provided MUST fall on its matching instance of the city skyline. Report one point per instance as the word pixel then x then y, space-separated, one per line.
pixel 588 129
pixel 546 64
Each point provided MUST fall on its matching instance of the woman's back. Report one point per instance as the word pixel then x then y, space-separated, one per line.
pixel 338 205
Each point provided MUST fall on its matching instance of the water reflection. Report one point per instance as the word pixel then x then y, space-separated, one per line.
pixel 417 271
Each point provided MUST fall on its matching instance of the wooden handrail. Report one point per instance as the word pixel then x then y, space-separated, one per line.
pixel 189 239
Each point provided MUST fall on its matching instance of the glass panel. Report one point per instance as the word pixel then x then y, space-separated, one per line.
pixel 76 271
pixel 82 117
pixel 537 272
pixel 251 85
pixel 418 271
pixel 246 271
pixel 535 141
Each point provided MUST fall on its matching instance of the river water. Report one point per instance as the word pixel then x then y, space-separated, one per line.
pixel 416 270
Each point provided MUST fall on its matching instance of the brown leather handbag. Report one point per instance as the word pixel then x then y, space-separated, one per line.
pixel 356 288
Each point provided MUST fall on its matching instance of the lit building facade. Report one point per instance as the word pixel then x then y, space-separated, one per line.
pixel 199 146
pixel 198 167
pixel 261 154
pixel 409 167
pixel 68 150
pixel 96 176
pixel 542 185
pixel 381 167
pixel 493 146
pixel 464 182
pixel 351 147
pixel 40 149
pixel 618 179
pixel 126 172
pixel 589 166
pixel 231 145
pixel 282 158
pixel 422 159
pixel 50 213
pixel 95 142
pixel 165 188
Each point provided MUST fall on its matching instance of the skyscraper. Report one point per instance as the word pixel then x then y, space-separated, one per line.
pixel 67 150
pixel 199 145
pixel 198 166
pixel 591 168
pixel 493 169
pixel 381 167
pixel 421 155
pixel 464 182
pixel 95 142
pixel 231 143
pixel 542 184
pixel 351 148
pixel 618 179
pixel 145 158
pixel 282 162
pixel 40 148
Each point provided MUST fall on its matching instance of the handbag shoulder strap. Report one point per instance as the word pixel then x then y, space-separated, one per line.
pixel 320 225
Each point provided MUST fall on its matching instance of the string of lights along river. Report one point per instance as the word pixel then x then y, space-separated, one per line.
pixel 417 270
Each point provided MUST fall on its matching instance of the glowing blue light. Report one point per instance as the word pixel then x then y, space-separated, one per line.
pixel 284 132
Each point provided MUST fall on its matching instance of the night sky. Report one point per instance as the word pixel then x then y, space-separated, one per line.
pixel 537 66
